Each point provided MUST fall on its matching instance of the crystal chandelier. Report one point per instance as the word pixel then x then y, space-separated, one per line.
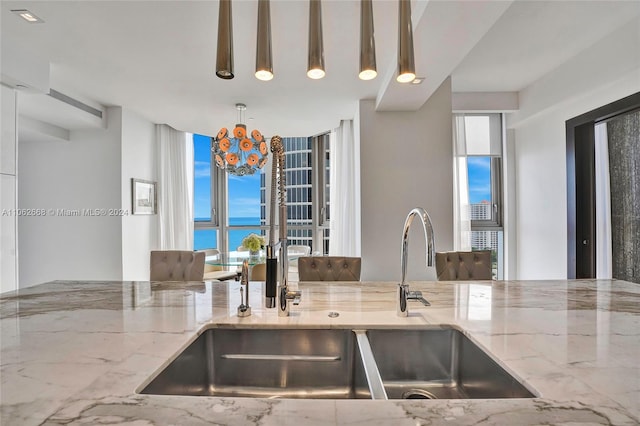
pixel 240 153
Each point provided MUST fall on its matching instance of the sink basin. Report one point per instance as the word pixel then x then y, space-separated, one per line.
pixel 439 363
pixel 335 363
pixel 266 363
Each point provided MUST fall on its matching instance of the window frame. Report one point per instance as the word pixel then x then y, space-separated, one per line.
pixel 496 122
pixel 320 149
pixel 496 221
pixel 214 214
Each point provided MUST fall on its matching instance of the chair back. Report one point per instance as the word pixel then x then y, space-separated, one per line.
pixel 258 272
pixel 295 251
pixel 463 265
pixel 329 268
pixel 177 265
pixel 298 250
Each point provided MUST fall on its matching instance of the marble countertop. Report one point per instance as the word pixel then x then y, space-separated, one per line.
pixel 75 352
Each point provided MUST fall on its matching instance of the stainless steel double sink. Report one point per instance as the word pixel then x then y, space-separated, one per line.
pixel 371 363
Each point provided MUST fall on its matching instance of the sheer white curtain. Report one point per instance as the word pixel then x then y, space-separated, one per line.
pixel 461 209
pixel 175 189
pixel 344 235
pixel 603 204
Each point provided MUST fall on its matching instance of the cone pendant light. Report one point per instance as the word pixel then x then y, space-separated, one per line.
pixel 315 68
pixel 264 63
pixel 406 62
pixel 368 69
pixel 224 55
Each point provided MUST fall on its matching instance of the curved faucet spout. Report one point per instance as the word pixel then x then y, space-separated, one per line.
pixel 428 238
pixel 403 293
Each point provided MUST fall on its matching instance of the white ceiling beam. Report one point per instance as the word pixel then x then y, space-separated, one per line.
pixel 59 113
pixel 32 130
pixel 443 34
pixel 484 101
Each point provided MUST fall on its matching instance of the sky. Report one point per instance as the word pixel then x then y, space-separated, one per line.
pixel 479 169
pixel 478 142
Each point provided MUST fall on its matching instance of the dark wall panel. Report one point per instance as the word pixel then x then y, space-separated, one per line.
pixel 624 168
pixel 585 201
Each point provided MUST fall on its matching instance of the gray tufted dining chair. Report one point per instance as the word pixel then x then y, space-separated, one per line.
pixel 177 265
pixel 258 272
pixel 463 265
pixel 329 268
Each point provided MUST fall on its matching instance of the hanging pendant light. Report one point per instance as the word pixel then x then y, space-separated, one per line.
pixel 240 153
pixel 368 69
pixel 224 55
pixel 406 63
pixel 264 64
pixel 315 68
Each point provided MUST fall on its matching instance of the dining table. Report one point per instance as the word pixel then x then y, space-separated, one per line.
pixel 237 257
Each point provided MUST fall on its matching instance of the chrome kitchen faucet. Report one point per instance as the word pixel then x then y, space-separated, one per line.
pixel 403 293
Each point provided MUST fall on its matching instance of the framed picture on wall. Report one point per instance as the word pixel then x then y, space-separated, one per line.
pixel 143 197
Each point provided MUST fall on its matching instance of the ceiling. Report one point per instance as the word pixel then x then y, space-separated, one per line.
pixel 157 58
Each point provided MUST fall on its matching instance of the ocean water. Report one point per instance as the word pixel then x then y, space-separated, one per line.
pixel 206 238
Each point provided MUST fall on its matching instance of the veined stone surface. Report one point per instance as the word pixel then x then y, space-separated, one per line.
pixel 75 352
pixel 624 171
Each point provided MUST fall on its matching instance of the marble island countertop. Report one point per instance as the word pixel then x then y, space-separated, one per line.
pixel 75 352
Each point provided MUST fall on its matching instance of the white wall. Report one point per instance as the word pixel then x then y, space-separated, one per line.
pixel 139 233
pixel 406 162
pixel 541 200
pixel 510 211
pixel 8 219
pixel 84 173
pixel 606 72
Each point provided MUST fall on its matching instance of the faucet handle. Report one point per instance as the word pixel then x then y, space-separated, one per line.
pixel 417 295
pixel 244 275
pixel 294 296
pixel 287 295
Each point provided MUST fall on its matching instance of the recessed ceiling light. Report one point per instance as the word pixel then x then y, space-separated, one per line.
pixel 417 80
pixel 27 16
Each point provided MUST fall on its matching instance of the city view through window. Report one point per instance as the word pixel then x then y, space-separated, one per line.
pixel 246 202
pixel 202 199
pixel 479 172
pixel 483 140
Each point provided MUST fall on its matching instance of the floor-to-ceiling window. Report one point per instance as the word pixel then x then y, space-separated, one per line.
pixel 243 207
pixel 483 145
pixel 205 211
pixel 228 208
